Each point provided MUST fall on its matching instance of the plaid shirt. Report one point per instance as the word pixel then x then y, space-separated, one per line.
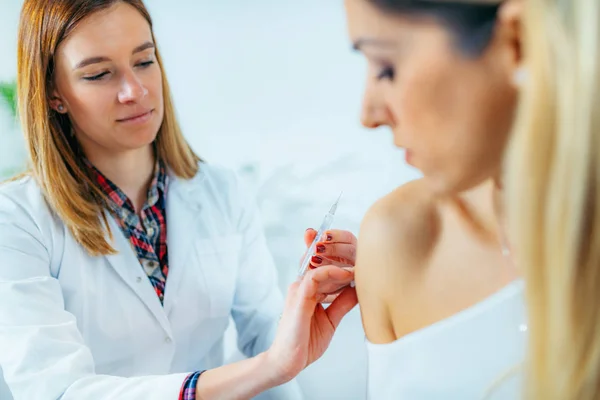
pixel 147 234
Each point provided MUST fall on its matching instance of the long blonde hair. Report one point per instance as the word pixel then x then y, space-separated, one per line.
pixel 55 161
pixel 553 190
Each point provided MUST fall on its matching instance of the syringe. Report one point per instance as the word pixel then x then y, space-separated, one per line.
pixel 327 221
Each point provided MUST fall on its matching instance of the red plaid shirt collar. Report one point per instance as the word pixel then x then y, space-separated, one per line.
pixel 118 200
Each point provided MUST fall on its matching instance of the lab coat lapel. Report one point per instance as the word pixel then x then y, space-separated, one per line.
pixel 126 264
pixel 184 211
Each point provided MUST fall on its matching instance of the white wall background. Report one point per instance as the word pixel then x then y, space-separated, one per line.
pixel 271 89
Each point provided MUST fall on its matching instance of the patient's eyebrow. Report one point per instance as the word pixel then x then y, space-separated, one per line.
pixel 362 42
pixel 99 59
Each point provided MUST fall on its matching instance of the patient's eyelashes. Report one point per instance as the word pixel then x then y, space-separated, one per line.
pixel 386 73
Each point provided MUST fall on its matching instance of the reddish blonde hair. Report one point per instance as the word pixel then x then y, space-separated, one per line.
pixel 55 158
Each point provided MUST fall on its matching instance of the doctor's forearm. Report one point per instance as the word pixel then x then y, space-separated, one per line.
pixel 241 380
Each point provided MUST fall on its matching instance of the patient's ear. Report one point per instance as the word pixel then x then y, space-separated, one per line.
pixel 510 37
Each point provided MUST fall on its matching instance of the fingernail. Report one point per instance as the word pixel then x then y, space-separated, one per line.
pixel 329 237
pixel 316 259
pixel 320 249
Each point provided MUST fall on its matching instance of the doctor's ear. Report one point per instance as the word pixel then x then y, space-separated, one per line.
pixel 57 104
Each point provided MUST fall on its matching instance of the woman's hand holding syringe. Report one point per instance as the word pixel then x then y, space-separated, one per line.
pixel 338 248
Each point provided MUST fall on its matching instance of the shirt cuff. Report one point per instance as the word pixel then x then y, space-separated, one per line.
pixel 188 389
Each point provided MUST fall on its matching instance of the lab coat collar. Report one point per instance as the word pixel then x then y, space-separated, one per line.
pixel 184 209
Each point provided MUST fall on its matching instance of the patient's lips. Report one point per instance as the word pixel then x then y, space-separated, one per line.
pixel 408 157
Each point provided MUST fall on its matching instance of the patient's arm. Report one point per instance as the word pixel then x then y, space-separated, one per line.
pixel 396 238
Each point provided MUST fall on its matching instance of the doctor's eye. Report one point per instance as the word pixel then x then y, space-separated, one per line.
pixel 96 77
pixel 146 64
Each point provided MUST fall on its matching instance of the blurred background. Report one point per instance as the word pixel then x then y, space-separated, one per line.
pixel 270 89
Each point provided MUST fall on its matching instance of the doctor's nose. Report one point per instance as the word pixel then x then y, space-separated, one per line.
pixel 132 89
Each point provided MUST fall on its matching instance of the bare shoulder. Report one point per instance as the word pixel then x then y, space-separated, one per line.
pixel 405 221
pixel 397 236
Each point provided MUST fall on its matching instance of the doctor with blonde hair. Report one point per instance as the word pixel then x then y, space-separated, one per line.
pixel 122 254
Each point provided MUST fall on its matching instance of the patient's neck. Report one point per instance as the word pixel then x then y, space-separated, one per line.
pixel 479 208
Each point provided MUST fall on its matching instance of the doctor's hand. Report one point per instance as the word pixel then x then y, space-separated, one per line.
pixel 337 248
pixel 306 327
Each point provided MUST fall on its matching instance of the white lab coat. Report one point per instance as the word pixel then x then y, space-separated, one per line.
pixel 77 327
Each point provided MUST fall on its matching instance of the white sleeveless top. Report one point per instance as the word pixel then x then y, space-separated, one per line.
pixel 461 357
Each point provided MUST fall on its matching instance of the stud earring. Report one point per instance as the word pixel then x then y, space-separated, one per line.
pixel 61 108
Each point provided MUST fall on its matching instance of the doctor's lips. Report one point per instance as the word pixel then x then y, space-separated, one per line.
pixel 137 117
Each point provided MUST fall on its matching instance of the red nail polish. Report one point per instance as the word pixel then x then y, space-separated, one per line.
pixel 320 249
pixel 329 238
pixel 317 260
